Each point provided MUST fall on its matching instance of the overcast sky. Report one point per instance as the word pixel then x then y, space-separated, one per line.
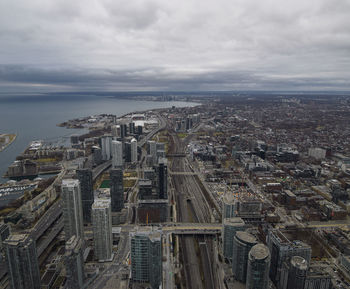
pixel 162 45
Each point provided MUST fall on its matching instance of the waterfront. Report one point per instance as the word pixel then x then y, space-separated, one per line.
pixel 36 117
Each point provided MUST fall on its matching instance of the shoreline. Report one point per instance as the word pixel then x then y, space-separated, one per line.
pixel 12 139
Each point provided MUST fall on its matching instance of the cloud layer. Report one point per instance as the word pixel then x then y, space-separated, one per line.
pixel 175 45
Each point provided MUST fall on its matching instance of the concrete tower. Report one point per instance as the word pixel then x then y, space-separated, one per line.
pixel 242 243
pixel 74 261
pixel 72 209
pixel 22 262
pixel 117 189
pixel 102 229
pixel 87 193
pixel 258 267
pixel 117 154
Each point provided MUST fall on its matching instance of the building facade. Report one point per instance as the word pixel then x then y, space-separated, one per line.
pixel 117 189
pixel 258 267
pixel 74 262
pixel 22 262
pixel 242 243
pixel 230 227
pixel 146 257
pixel 102 229
pixel 87 193
pixel 72 209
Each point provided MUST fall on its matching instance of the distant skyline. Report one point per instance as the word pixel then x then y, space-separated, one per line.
pixel 157 45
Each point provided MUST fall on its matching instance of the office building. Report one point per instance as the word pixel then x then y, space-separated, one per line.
pixel 96 153
pixel 146 257
pixel 22 262
pixel 117 189
pixel 72 209
pixel 117 154
pixel 152 150
pixel 293 273
pixel 4 233
pixel 230 227
pixel 244 205
pixel 145 189
pixel 116 131
pixel 242 243
pixel 106 147
pixel 228 205
pixel 258 267
pixel 133 150
pixel 123 132
pixel 74 262
pixel 281 249
pixel 318 278
pixel 87 193
pixel 127 152
pixel 152 211
pixel 132 128
pixel 162 179
pixel 102 229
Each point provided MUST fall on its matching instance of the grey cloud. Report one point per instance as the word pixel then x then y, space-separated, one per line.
pixel 126 44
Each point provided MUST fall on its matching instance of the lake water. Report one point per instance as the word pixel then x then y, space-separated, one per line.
pixel 36 117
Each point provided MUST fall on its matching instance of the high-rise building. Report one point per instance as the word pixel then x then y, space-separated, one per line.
pixel 281 249
pixel 117 189
pixel 132 128
pixel 293 273
pixel 127 152
pixel 96 155
pixel 258 267
pixel 146 257
pixel 74 262
pixel 117 154
pixel 72 209
pixel 318 278
pixel 242 243
pixel 162 179
pixel 133 150
pixel 22 262
pixel 228 205
pixel 116 130
pixel 102 229
pixel 123 132
pixel 152 150
pixel 87 193
pixel 230 227
pixel 106 147
pixel 4 233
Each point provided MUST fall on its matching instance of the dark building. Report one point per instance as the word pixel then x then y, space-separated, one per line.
pixel 293 273
pixel 74 262
pixel 139 129
pixel 152 211
pixel 22 262
pixel 242 243
pixel 117 189
pixel 4 233
pixel 145 189
pixel 96 155
pixel 281 249
pixel 258 267
pixel 162 179
pixel 123 132
pixel 127 152
pixel 132 128
pixel 87 193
